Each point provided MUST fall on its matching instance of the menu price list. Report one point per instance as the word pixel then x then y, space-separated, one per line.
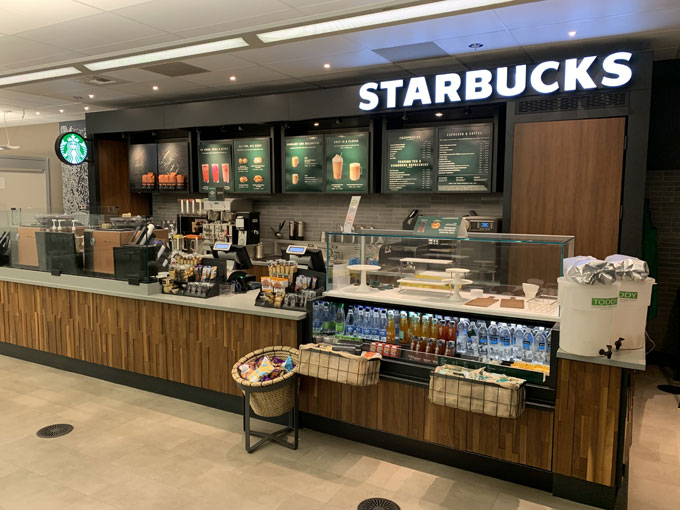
pixel 215 159
pixel 410 162
pixel 253 167
pixel 464 162
pixel 304 164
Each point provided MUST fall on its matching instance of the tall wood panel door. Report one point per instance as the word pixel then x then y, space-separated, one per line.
pixel 566 180
pixel 112 165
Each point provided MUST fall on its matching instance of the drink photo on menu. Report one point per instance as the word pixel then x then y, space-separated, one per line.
pixel 215 160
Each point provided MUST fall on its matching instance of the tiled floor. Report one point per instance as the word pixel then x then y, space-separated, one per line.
pixel 134 450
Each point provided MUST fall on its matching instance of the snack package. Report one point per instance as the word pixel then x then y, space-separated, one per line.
pixel 288 365
pixel 264 369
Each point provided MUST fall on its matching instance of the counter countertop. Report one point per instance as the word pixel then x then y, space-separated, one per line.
pixel 632 359
pixel 238 303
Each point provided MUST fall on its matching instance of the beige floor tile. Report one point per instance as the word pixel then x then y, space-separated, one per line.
pixel 88 503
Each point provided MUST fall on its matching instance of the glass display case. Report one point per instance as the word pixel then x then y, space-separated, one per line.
pixel 485 300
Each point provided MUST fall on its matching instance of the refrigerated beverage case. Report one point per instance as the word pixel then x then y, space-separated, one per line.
pixel 340 321
pixel 225 173
pixel 390 329
pixel 349 322
pixel 206 172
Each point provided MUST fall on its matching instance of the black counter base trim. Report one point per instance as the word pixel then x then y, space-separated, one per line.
pixel 588 493
pixel 489 466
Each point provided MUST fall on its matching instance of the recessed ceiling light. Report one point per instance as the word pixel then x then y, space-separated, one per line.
pixel 61 111
pixel 232 78
pixel 91 96
pixel 572 33
pixel 316 124
pixel 326 66
pixel 86 108
pixel 155 87
pixel 156 56
pixel 376 18
pixel 38 75
pixel 439 114
pixel 37 113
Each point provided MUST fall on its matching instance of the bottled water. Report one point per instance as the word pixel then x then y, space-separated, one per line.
pixel 349 322
pixel 483 348
pixel 316 317
pixel 340 321
pixel 518 343
pixel 473 340
pixel 325 317
pixel 547 346
pixel 540 347
pixel 493 352
pixel 506 343
pixel 359 322
pixel 527 348
pixel 462 337
pixel 383 325
pixel 375 325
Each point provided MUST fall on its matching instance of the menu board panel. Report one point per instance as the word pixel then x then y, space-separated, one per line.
pixel 464 157
pixel 173 165
pixel 410 160
pixel 253 166
pixel 143 166
pixel 303 165
pixel 347 163
pixel 215 160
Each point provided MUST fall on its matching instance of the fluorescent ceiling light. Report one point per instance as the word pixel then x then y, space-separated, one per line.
pixel 38 75
pixel 155 56
pixel 376 18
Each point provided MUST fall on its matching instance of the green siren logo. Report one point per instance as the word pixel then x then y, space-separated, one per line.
pixel 602 302
pixel 71 148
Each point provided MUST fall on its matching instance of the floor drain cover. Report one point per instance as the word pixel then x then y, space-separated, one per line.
pixel 378 504
pixel 668 388
pixel 58 430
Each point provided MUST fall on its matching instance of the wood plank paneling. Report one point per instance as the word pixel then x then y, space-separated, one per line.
pixel 566 180
pixel 404 410
pixel 586 421
pixel 114 188
pixel 178 343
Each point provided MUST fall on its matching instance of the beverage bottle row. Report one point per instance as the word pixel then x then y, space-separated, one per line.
pixel 434 334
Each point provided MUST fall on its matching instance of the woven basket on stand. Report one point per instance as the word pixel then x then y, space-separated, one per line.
pixel 270 398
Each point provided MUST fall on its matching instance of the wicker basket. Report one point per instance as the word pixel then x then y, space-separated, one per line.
pixel 270 398
pixel 341 367
pixel 502 399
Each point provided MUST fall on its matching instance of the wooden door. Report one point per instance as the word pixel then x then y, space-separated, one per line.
pixel 566 180
pixel 112 165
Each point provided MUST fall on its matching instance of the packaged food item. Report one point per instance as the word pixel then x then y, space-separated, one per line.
pixel 289 365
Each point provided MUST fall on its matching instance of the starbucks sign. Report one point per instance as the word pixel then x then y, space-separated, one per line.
pixel 71 148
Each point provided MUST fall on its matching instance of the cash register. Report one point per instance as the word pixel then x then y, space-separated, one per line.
pixel 238 260
pixel 312 258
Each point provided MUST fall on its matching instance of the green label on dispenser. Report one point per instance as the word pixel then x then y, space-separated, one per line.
pixel 626 295
pixel 605 302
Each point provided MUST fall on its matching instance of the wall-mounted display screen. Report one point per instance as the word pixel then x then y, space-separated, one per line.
pixel 409 165
pixel 304 164
pixel 215 161
pixel 252 159
pixel 143 166
pixel 464 161
pixel 347 163
pixel 173 166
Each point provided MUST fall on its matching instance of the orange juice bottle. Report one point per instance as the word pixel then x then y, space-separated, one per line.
pixel 427 326
pixel 390 327
pixel 404 334
pixel 416 328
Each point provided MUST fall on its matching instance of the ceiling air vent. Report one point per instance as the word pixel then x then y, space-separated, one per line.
pixel 566 103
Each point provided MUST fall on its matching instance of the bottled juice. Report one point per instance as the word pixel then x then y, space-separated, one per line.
pixel 427 326
pixel 423 344
pixel 404 333
pixel 416 326
pixel 435 327
pixel 415 343
pixel 390 328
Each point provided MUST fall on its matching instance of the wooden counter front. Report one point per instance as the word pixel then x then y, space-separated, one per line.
pixel 183 344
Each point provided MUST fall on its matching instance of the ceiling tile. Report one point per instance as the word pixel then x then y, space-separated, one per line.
pixel 491 41
pixel 18 16
pixel 131 75
pixel 29 100
pixel 219 62
pixel 166 86
pixel 248 75
pixel 344 62
pixel 334 7
pixel 16 50
pixel 487 59
pixel 549 12
pixel 178 15
pixel 433 65
pixel 95 31
pixel 258 22
pixel 411 52
pixel 132 45
pixel 109 5
pixel 430 30
pixel 318 48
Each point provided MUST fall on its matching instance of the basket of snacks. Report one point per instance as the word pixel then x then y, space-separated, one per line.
pixel 322 362
pixel 269 375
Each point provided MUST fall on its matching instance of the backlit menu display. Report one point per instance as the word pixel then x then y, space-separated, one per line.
pixel 215 161
pixel 464 162
pixel 304 164
pixel 252 165
pixel 410 160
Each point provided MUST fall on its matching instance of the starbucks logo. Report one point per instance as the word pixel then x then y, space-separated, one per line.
pixel 71 148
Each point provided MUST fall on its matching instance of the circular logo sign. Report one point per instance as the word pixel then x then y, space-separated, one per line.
pixel 71 148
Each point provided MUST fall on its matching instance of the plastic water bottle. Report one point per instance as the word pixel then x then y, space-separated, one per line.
pixel 359 322
pixel 462 337
pixel 349 322
pixel 340 321
pixel 483 341
pixel 547 346
pixel 528 346
pixel 473 339
pixel 506 343
pixel 375 325
pixel 518 343
pixel 316 318
pixel 383 325
pixel 540 347
pixel 493 353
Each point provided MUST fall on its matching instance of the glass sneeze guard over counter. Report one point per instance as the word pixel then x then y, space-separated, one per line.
pixel 509 275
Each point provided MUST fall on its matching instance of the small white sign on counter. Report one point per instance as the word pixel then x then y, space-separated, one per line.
pixel 351 214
